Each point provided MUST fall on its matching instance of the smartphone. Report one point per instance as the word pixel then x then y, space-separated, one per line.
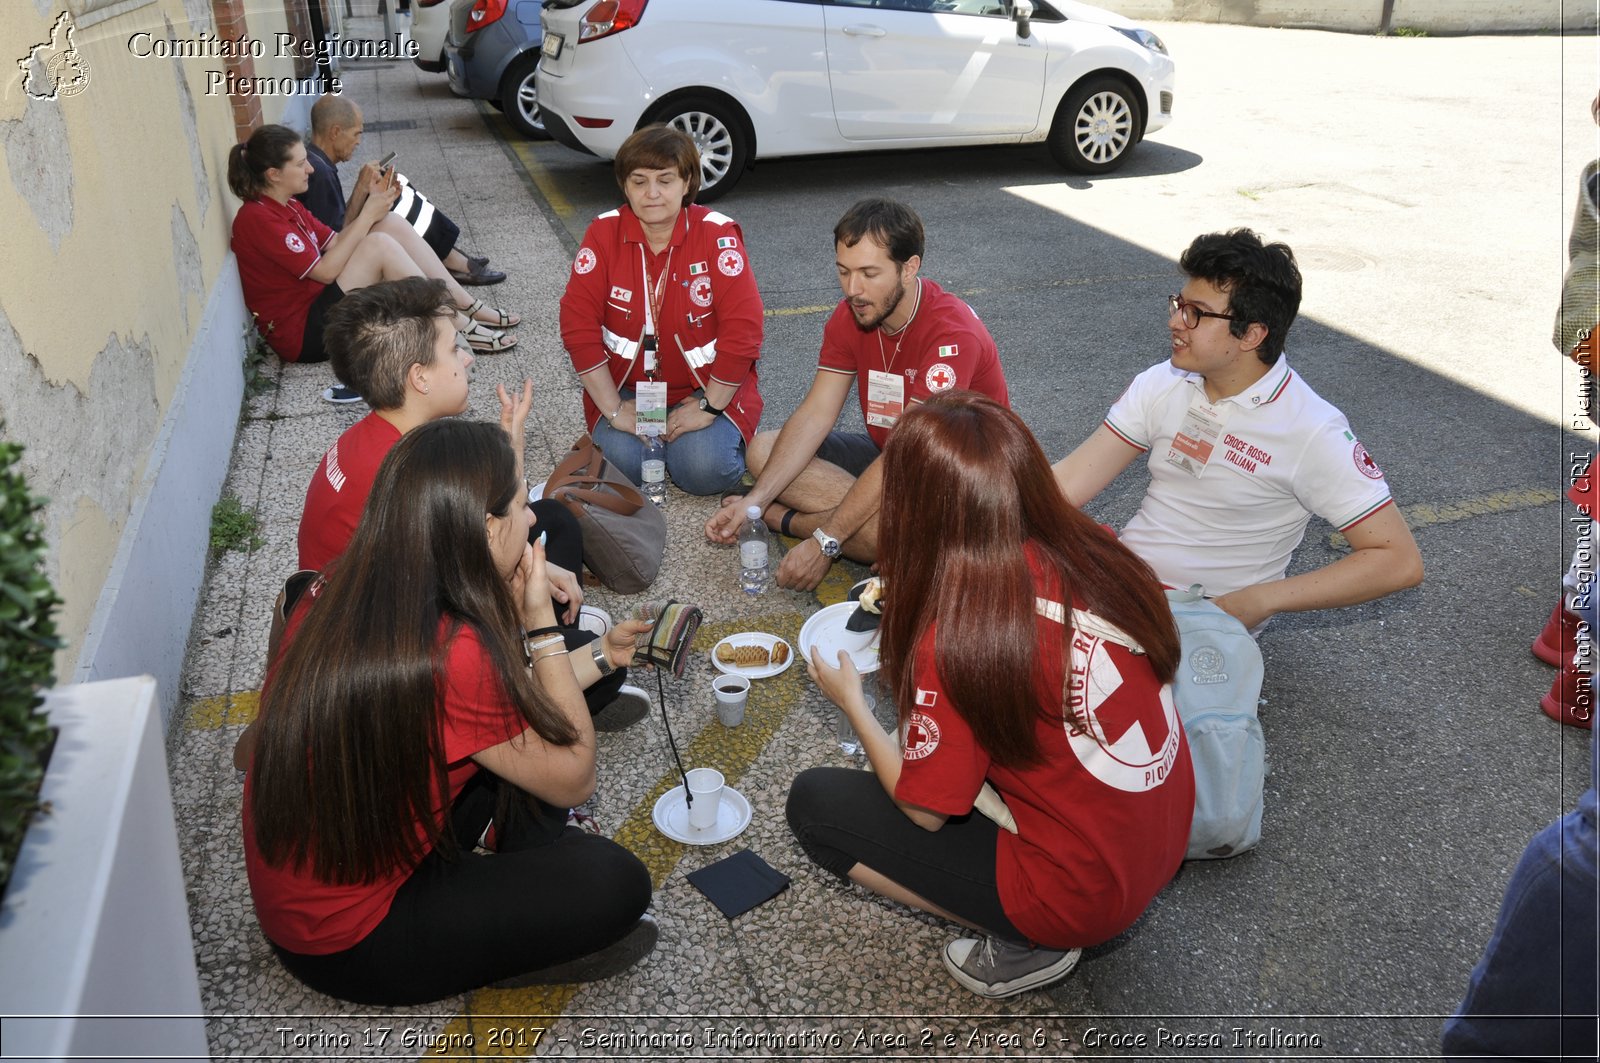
pixel 383 163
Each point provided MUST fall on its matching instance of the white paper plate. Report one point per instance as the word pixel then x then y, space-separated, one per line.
pixel 536 491
pixel 752 638
pixel 672 818
pixel 826 631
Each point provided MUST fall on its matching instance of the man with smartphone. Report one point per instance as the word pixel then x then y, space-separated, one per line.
pixel 336 128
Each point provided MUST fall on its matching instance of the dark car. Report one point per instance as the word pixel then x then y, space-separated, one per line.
pixel 491 54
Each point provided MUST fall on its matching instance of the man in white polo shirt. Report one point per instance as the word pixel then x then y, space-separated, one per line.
pixel 1242 451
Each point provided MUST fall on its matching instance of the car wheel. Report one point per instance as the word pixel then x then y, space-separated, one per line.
pixel 1096 126
pixel 718 132
pixel 519 98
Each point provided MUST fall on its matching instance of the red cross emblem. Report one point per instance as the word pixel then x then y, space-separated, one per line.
pixel 922 736
pixel 940 377
pixel 1118 717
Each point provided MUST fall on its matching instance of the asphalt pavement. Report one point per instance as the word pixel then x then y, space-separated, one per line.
pixel 1426 185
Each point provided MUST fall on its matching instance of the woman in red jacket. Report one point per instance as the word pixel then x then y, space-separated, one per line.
pixel 1008 682
pixel 661 293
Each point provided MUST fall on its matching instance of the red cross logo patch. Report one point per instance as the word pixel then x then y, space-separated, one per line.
pixel 700 291
pixel 922 735
pixel 940 377
pixel 1365 464
pixel 584 262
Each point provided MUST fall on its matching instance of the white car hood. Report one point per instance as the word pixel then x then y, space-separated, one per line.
pixel 1089 13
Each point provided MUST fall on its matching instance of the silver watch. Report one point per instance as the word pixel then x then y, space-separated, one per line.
pixel 601 660
pixel 830 545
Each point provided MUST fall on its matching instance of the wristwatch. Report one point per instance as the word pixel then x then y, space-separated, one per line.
pixel 830 545
pixel 705 405
pixel 601 660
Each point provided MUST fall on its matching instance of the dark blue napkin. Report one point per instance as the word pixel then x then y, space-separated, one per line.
pixel 738 883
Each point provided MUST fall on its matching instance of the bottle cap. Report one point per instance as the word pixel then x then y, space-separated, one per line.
pixel 753 512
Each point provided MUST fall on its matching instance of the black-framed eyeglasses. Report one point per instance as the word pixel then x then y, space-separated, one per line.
pixel 1190 313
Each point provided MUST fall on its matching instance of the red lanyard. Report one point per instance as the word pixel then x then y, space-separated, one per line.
pixel 654 296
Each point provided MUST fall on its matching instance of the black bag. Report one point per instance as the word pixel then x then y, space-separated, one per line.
pixel 624 535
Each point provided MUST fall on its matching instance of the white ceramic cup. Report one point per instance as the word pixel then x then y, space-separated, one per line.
pixel 705 785
pixel 732 691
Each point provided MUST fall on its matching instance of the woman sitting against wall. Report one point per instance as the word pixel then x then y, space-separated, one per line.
pixel 294 268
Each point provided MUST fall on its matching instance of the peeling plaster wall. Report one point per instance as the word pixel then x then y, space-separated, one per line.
pixel 120 320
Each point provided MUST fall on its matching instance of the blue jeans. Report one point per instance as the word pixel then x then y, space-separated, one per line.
pixel 706 462
pixel 1533 994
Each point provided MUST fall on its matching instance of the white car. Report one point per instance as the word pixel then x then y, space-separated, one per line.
pixel 430 21
pixel 762 79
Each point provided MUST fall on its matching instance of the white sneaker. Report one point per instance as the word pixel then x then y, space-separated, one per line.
pixel 992 967
pixel 595 619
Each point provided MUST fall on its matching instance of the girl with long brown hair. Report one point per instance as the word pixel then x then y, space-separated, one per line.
pixel 1005 643
pixel 404 709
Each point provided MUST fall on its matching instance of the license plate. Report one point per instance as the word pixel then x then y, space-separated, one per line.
pixel 552 45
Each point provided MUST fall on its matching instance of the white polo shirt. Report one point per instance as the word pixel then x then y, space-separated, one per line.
pixel 1284 454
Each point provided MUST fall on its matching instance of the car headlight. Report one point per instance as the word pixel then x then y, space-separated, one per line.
pixel 1142 36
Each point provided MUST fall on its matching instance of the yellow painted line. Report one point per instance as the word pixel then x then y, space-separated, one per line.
pixel 559 203
pixel 730 750
pixel 968 293
pixel 794 311
pixel 1427 514
pixel 225 710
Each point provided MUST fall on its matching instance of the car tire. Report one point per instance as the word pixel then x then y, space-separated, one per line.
pixel 1096 126
pixel 519 98
pixel 719 132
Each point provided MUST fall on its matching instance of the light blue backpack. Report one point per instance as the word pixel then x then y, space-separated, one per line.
pixel 1217 689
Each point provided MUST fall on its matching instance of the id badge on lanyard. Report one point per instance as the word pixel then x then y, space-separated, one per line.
pixel 650 398
pixel 886 398
pixel 1196 438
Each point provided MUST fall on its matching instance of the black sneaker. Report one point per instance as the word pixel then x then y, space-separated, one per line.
pixel 631 706
pixel 340 395
pixel 994 968
pixel 615 958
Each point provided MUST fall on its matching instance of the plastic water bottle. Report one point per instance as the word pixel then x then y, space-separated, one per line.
pixel 755 547
pixel 653 468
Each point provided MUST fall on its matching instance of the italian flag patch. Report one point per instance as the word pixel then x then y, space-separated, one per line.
pixel 725 242
pixel 949 351
pixel 696 268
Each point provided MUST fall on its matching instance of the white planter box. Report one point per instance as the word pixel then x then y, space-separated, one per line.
pixel 96 957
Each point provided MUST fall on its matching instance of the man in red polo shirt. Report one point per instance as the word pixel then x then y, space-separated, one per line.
pixel 899 338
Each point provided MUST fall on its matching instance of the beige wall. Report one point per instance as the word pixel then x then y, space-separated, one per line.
pixel 1366 16
pixel 116 222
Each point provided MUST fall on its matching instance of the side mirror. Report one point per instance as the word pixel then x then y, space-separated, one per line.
pixel 1021 12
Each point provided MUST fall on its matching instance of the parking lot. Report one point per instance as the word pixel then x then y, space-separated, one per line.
pixel 1426 185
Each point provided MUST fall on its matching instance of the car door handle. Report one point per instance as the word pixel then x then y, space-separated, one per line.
pixel 865 31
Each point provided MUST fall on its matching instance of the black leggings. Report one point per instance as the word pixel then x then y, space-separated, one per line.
pixel 550 894
pixel 842 818
pixel 563 545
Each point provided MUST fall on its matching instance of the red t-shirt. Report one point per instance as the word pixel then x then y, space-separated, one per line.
pixel 1101 828
pixel 943 346
pixel 339 489
pixel 303 914
pixel 277 245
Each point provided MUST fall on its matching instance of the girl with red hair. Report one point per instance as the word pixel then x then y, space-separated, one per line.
pixel 1006 644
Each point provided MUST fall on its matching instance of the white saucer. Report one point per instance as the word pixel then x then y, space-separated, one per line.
pixel 753 638
pixel 826 632
pixel 672 818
